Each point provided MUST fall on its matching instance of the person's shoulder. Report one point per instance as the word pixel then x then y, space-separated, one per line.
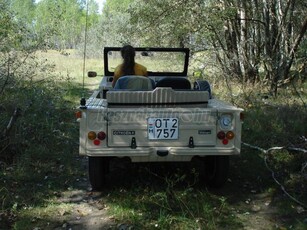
pixel 118 67
pixel 117 71
pixel 139 66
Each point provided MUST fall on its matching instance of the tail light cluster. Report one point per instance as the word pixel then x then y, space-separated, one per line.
pixel 225 137
pixel 96 137
pixel 78 114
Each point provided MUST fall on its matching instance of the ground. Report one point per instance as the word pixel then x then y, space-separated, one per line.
pixel 249 203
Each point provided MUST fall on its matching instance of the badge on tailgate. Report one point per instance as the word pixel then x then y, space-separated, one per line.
pixel 162 128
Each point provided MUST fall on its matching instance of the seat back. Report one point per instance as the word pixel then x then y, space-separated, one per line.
pixel 174 83
pixel 134 82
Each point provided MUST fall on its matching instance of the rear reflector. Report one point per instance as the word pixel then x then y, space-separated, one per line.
pixel 91 135
pixel 230 135
pixel 221 135
pixel 101 136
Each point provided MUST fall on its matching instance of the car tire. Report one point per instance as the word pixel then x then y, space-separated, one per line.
pixel 203 86
pixel 98 167
pixel 216 170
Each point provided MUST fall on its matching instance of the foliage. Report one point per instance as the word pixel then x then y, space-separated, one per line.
pixel 252 41
pixel 247 37
pixel 35 151
pixel 27 156
pixel 166 23
pixel 37 156
pixel 113 28
pixel 14 37
pixel 24 10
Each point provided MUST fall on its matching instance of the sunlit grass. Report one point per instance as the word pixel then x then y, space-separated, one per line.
pixel 69 64
pixel 174 208
pixel 44 217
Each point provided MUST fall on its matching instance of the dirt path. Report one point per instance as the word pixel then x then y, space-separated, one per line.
pixel 256 212
pixel 252 208
pixel 89 212
pixel 87 209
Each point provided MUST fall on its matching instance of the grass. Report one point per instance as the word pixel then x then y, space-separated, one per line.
pixel 69 64
pixel 165 200
pixel 41 160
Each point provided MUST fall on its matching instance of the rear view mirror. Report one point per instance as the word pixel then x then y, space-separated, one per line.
pixel 145 54
pixel 91 74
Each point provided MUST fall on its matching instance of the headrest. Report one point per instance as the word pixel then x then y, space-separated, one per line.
pixel 174 83
pixel 134 82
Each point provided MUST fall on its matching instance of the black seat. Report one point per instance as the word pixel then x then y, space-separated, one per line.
pixel 134 82
pixel 174 83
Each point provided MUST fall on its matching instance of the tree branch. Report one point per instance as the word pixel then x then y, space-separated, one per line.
pixel 11 122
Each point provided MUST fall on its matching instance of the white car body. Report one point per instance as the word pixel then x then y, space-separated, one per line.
pixel 162 124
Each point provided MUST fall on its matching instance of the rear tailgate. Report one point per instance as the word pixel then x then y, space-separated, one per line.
pixel 161 127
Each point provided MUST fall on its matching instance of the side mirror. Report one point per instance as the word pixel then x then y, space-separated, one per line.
pixel 91 74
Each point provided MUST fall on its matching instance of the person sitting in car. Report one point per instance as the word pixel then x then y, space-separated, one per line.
pixel 129 66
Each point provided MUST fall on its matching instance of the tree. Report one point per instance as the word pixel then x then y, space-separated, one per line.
pixel 246 36
pixel 24 10
pixel 260 34
pixel 114 26
pixel 113 6
pixel 17 44
pixel 65 19
pixel 166 23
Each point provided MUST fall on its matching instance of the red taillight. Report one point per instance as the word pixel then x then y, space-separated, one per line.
pixel 96 142
pixel 241 116
pixel 225 141
pixel 221 135
pixel 78 114
pixel 101 136
pixel 225 137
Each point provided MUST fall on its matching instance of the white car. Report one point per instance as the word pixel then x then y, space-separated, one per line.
pixel 159 118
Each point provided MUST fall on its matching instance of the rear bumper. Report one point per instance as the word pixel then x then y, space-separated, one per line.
pixel 153 154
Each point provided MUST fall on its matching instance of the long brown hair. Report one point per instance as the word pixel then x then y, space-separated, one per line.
pixel 128 54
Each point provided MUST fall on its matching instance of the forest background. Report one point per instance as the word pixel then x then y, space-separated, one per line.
pixel 252 41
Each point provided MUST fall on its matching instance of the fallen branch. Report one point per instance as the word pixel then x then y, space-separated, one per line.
pixel 266 154
pixel 11 123
pixel 274 148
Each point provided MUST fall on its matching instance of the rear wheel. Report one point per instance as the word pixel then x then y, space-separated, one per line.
pixel 98 167
pixel 216 170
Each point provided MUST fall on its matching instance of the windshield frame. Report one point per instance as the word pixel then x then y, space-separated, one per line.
pixel 185 51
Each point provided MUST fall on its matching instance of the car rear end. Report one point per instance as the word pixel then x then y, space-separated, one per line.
pixel 146 130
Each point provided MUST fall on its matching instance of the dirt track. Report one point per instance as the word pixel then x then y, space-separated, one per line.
pixel 251 207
